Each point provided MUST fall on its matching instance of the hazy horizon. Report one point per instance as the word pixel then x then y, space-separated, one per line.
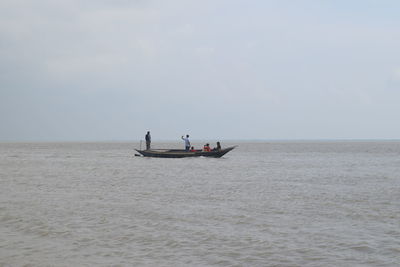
pixel 217 70
pixel 205 140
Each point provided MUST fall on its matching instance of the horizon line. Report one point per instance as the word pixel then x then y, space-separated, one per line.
pixel 210 140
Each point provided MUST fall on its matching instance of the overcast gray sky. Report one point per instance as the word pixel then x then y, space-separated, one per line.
pixel 215 69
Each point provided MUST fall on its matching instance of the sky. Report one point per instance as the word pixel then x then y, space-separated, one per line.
pixel 111 70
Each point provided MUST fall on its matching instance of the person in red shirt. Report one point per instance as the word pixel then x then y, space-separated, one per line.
pixel 207 148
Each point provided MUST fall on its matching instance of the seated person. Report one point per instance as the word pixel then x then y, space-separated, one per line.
pixel 192 149
pixel 207 148
pixel 218 147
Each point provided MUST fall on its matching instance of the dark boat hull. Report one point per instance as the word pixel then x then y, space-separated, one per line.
pixel 175 153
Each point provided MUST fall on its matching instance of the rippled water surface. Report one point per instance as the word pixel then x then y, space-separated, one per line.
pixel 263 204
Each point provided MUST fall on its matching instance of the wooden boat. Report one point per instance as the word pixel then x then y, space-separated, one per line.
pixel 178 153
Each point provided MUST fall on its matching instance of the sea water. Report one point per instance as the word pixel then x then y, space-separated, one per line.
pixel 262 204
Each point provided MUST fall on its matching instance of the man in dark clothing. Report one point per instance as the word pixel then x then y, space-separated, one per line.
pixel 148 140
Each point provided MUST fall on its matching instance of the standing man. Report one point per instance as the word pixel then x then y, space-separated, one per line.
pixel 148 140
pixel 187 142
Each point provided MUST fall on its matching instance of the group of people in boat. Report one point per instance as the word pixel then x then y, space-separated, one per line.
pixel 207 148
pixel 188 147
